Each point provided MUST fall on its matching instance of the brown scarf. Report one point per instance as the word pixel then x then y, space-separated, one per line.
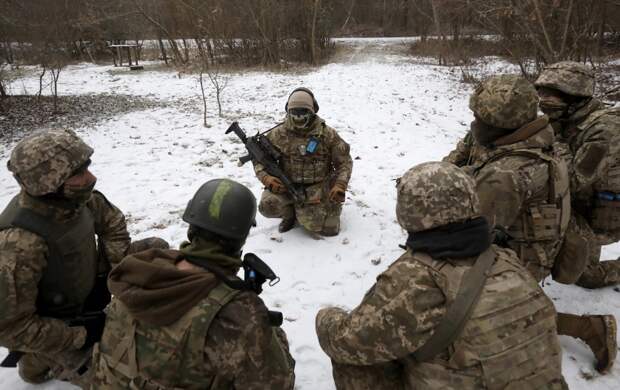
pixel 154 290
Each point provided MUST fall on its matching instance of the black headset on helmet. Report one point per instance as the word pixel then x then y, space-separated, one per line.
pixel 309 92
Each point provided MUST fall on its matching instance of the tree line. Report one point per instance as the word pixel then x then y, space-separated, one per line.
pixel 276 32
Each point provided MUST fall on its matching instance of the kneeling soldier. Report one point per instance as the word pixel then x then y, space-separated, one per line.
pixel 453 311
pixel 316 160
pixel 179 318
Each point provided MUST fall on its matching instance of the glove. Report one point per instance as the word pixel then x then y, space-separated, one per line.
pixel 336 194
pixel 94 331
pixel 274 184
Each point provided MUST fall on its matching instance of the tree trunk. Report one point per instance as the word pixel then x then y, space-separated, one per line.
pixel 313 51
pixel 41 82
pixel 440 33
pixel 185 50
pixel 204 98
pixel 55 76
pixel 162 49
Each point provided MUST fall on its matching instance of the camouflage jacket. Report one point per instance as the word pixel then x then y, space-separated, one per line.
pixel 593 137
pixel 464 152
pixel 330 161
pixel 515 191
pixel 22 264
pixel 510 337
pixel 224 341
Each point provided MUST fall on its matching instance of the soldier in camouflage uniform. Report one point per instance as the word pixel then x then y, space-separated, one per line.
pixel 316 159
pixel 394 338
pixel 589 135
pixel 524 190
pixel 58 239
pixel 174 324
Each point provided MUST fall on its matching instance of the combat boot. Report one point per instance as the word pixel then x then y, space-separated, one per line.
pixel 286 224
pixel 598 331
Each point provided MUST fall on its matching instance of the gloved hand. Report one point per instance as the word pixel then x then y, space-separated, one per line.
pixel 273 184
pixel 94 331
pixel 336 194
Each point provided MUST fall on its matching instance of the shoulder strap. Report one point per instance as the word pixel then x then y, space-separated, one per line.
pixel 29 220
pixel 460 310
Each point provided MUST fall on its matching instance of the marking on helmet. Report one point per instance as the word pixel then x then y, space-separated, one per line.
pixel 215 207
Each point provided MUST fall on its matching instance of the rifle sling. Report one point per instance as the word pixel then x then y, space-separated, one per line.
pixel 523 132
pixel 460 310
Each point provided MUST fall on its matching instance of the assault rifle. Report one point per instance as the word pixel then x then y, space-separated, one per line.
pixel 256 273
pixel 14 357
pixel 262 151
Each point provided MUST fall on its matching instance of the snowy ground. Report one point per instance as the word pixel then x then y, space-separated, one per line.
pixel 394 112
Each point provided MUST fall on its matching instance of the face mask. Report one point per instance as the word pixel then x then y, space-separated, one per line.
pixel 301 117
pixel 81 191
pixel 79 194
pixel 484 134
pixel 553 108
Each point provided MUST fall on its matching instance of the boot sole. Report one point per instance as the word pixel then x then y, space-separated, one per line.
pixel 611 329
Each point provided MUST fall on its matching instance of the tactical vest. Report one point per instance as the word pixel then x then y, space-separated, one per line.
pixel 72 259
pixel 510 340
pixel 538 233
pixel 170 357
pixel 604 216
pixel 304 162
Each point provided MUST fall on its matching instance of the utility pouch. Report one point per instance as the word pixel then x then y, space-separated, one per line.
pixel 573 257
pixel 544 222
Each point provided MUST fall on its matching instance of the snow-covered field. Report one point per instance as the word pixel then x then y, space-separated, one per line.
pixel 394 112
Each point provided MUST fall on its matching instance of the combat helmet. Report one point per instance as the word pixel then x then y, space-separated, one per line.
pixel 434 194
pixel 42 162
pixel 505 101
pixel 569 77
pixel 223 207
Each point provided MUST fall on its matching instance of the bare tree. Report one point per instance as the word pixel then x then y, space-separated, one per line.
pixel 219 81
pixel 201 83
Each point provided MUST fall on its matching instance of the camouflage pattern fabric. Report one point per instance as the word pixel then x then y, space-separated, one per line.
pixel 22 264
pixel 331 162
pixel 225 341
pixel 510 339
pixel 318 214
pixel 591 147
pixel 435 194
pixel 505 101
pixel 514 194
pixel 460 156
pixel 37 368
pixel 570 77
pixel 43 161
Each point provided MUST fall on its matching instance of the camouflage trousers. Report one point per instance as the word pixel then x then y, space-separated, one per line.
pixel 317 214
pixel 387 376
pixel 599 273
pixel 71 367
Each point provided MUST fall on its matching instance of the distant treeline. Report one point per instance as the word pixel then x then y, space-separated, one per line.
pixel 270 32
